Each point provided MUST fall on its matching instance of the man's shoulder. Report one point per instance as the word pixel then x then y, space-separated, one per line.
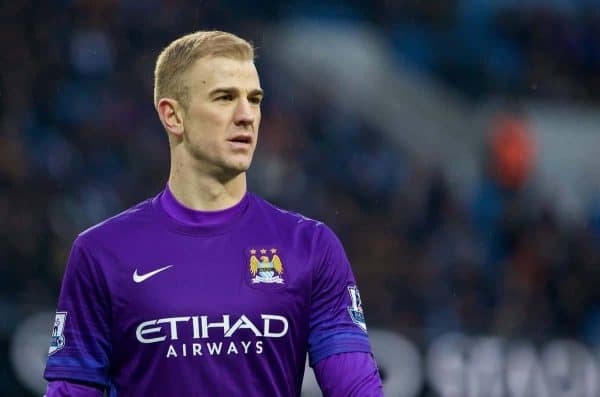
pixel 286 216
pixel 117 225
pixel 295 220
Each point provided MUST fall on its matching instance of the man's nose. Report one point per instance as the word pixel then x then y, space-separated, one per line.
pixel 244 113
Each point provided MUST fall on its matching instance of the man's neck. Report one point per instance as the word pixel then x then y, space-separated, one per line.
pixel 205 192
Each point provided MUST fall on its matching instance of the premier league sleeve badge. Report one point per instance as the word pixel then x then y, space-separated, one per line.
pixel 355 309
pixel 57 341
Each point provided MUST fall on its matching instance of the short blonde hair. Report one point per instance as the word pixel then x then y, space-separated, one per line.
pixel 180 55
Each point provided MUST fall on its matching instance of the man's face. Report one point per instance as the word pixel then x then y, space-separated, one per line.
pixel 222 119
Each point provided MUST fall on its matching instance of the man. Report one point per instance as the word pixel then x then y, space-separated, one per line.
pixel 206 289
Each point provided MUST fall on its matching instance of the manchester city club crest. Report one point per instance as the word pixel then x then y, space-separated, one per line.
pixel 265 266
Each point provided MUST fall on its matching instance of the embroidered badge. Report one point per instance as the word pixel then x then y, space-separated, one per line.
pixel 266 266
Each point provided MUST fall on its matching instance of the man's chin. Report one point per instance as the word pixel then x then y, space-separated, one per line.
pixel 235 170
pixel 242 165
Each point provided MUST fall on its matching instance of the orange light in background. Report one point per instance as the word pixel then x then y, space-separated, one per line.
pixel 513 151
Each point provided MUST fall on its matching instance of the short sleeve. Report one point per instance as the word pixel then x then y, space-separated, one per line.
pixel 337 322
pixel 80 341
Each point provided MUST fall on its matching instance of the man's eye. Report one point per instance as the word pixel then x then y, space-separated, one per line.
pixel 225 98
pixel 255 100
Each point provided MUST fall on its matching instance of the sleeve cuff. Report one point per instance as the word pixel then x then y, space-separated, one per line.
pixel 341 343
pixel 76 375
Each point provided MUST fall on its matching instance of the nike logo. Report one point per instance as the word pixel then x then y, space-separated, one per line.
pixel 138 278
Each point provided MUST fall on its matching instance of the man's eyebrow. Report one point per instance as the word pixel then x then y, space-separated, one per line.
pixel 234 90
pixel 225 90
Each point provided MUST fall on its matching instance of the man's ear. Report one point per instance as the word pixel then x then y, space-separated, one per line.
pixel 170 113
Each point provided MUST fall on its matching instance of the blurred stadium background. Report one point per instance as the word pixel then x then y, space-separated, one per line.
pixel 452 144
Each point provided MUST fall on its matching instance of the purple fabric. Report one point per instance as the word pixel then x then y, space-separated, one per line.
pixel 188 216
pixel 349 375
pixel 161 300
pixel 60 388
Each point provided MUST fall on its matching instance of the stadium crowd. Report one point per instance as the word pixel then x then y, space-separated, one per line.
pixel 79 141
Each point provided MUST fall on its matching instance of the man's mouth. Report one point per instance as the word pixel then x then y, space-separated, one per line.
pixel 247 139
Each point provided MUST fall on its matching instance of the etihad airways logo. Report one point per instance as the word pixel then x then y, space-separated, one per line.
pixel 169 329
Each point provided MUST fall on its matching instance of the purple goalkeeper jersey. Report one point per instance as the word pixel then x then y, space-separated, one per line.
pixel 224 303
